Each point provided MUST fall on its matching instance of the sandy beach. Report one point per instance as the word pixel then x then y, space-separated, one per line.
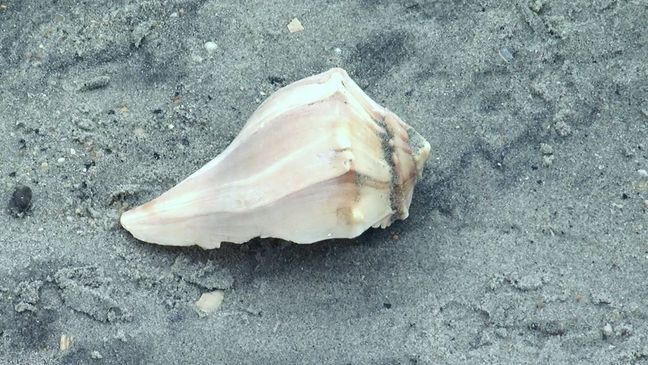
pixel 527 240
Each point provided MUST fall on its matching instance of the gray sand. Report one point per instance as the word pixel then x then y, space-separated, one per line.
pixel 527 237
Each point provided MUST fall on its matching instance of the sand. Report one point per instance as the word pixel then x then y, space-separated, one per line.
pixel 527 238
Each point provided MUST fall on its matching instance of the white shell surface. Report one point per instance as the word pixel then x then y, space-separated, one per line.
pixel 317 160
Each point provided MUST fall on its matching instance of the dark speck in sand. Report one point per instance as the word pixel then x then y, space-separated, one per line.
pixel 21 200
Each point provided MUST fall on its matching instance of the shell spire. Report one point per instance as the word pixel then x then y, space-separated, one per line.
pixel 319 159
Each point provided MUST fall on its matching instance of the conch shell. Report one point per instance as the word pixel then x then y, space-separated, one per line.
pixel 317 160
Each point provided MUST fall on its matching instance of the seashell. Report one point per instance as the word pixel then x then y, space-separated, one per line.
pixel 317 160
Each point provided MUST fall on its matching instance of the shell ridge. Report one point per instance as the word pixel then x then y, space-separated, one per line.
pixel 339 169
pixel 257 119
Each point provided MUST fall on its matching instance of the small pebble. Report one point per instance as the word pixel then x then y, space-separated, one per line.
pixel 337 50
pixel 211 301
pixel 211 47
pixel 65 342
pixel 506 54
pixel 72 151
pixel 96 355
pixel 547 160
pixel 607 331
pixel 61 160
pixel 170 126
pixel 643 173
pixel 546 149
pixel 295 26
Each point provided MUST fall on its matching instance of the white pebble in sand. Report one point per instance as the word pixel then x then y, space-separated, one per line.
pixel 211 47
pixel 295 26
pixel 209 302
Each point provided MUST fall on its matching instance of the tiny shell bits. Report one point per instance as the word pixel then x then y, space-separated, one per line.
pixel 317 160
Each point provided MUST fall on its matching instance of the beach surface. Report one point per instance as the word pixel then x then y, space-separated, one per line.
pixel 527 240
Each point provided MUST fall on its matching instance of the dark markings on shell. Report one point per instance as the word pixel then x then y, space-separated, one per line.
pixel 366 180
pixel 397 190
pixel 388 152
pixel 396 134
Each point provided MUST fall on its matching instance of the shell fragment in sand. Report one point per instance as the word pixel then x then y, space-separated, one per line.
pixel 295 26
pixel 210 302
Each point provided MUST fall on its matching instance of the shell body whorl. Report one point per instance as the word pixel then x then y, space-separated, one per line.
pixel 317 160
